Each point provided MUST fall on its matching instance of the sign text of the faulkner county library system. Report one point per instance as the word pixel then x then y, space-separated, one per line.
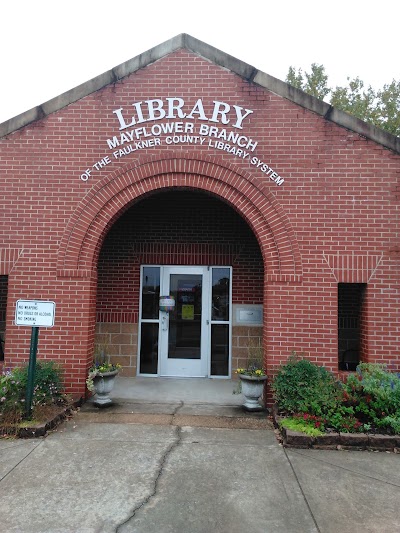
pixel 222 129
pixel 34 313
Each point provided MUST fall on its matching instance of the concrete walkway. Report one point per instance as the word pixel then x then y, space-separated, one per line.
pixel 177 466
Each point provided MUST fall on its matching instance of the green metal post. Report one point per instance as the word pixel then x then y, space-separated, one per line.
pixel 31 371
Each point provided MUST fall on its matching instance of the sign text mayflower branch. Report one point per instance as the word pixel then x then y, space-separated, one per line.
pixel 176 129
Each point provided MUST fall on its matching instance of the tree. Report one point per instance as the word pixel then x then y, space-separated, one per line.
pixel 389 108
pixel 315 82
pixel 381 108
pixel 354 99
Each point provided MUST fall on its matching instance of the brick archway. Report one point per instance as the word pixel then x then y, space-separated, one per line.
pixel 109 198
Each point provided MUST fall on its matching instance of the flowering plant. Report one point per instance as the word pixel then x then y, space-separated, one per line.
pixel 48 391
pixel 101 365
pixel 251 371
pixel 254 363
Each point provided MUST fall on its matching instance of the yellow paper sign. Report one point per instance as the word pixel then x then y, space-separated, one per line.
pixel 187 312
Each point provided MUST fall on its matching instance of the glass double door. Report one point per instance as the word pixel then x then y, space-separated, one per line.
pixel 192 338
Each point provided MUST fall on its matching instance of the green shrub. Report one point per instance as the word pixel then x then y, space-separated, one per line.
pixel 369 400
pixel 374 394
pixel 344 420
pixel 303 387
pixel 48 390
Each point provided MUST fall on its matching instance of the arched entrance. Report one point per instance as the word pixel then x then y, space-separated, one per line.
pixel 191 245
pixel 109 199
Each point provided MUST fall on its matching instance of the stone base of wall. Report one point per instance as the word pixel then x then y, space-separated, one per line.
pixel 122 343
pixel 244 339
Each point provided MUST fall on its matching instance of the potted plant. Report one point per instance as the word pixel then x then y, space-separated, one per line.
pixel 252 377
pixel 101 376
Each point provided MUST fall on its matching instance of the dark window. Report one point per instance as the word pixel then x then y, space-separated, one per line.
pixel 149 348
pixel 220 315
pixel 150 292
pixel 350 310
pixel 3 307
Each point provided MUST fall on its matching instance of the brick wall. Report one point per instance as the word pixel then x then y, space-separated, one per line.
pixel 336 214
pixel 176 228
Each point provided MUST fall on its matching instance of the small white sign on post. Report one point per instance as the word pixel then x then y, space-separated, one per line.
pixel 35 313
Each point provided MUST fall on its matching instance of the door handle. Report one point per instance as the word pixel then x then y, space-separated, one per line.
pixel 164 325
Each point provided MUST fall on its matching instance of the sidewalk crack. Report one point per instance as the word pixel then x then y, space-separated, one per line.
pixel 302 491
pixel 163 460
pixel 177 408
pixel 19 462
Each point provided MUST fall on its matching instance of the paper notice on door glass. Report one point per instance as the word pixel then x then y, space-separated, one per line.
pixel 188 312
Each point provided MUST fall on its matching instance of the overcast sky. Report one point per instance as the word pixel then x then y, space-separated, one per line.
pixel 51 46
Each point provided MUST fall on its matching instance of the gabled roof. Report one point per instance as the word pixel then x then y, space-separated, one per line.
pixel 222 59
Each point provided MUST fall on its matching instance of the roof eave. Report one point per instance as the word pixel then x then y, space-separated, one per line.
pixel 218 57
pixel 341 118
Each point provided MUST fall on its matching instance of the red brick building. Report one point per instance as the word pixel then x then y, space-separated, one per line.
pixel 184 172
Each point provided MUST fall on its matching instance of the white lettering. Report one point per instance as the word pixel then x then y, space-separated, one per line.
pixel 242 140
pixel 156 129
pixel 173 107
pixel 86 175
pixel 122 124
pixel 267 170
pixel 240 116
pixel 251 145
pixel 153 107
pixel 183 132
pixel 102 163
pixel 124 138
pixel 198 109
pixel 112 143
pixel 226 147
pixel 204 129
pixel 177 108
pixel 138 107
pixel 220 108
pixel 181 139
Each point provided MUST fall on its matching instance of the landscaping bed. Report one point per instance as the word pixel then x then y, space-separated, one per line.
pixel 315 410
pixel 49 405
pixel 31 429
pixel 335 440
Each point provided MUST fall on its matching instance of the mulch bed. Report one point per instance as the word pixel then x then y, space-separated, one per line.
pixel 39 429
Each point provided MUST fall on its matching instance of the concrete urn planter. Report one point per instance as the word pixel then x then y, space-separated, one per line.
pixel 252 389
pixel 103 384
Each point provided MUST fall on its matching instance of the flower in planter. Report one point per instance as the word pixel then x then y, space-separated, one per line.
pixel 251 371
pixel 99 370
pixel 255 360
pixel 101 365
pixel 254 364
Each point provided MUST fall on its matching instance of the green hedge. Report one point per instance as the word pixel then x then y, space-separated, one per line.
pixel 368 400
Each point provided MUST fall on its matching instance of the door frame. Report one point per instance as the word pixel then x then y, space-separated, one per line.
pixel 196 367
pixel 206 319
